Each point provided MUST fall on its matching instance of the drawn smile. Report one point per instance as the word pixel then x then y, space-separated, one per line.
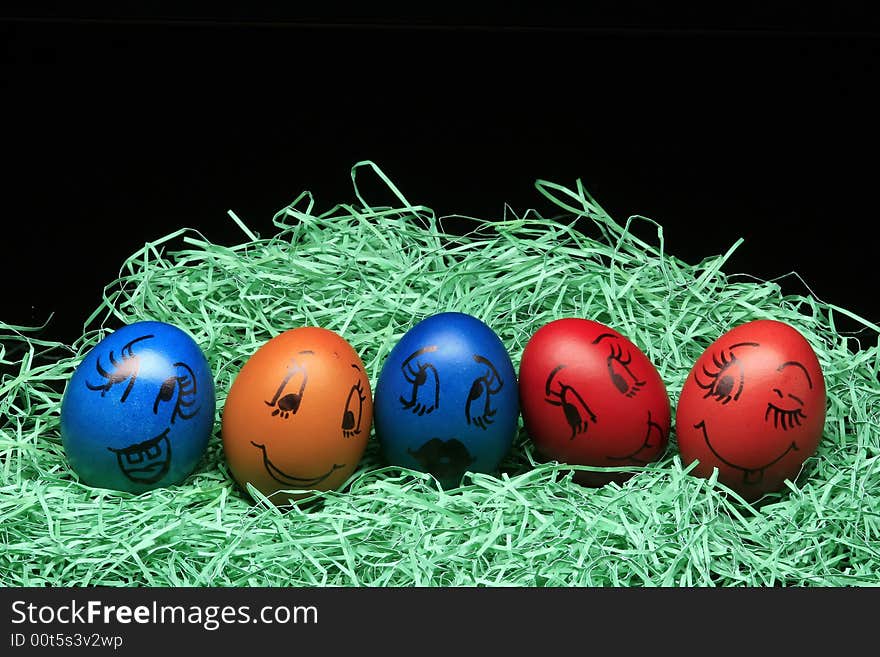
pixel 290 480
pixel 647 443
pixel 145 462
pixel 750 475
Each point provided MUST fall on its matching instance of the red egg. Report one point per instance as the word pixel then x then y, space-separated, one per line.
pixel 753 406
pixel 589 396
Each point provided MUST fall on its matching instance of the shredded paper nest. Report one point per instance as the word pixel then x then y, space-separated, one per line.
pixel 370 273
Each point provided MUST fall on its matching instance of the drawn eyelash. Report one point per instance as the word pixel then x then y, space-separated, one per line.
pixel 351 421
pixel 124 369
pixel 571 403
pixel 618 379
pixel 486 385
pixel 784 418
pixel 724 385
pixel 184 384
pixel 420 374
pixel 285 405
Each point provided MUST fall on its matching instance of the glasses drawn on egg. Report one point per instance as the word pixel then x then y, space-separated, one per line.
pixel 289 394
pixel 183 384
pixel 785 417
pixel 653 438
pixel 145 462
pixel 124 369
pixel 354 407
pixel 424 396
pixel 483 387
pixel 726 382
pixel 615 361
pixel 570 401
pixel 750 475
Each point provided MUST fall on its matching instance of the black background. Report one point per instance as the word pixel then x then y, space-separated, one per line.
pixel 122 127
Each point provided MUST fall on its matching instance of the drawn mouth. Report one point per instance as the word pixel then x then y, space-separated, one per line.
pixel 646 444
pixel 445 459
pixel 750 475
pixel 290 480
pixel 145 462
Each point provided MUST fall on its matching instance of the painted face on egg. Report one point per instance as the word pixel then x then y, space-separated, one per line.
pixel 754 407
pixel 589 396
pixel 446 400
pixel 139 410
pixel 298 415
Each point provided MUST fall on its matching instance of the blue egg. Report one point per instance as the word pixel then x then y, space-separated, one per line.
pixel 446 401
pixel 139 410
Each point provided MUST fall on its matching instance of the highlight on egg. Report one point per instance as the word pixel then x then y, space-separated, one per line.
pixel 590 396
pixel 298 415
pixel 138 411
pixel 753 407
pixel 446 399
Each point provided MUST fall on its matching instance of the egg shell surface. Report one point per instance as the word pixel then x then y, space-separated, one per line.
pixel 138 411
pixel 753 406
pixel 590 396
pixel 446 399
pixel 298 415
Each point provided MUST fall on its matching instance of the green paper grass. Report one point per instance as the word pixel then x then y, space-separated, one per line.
pixel 369 273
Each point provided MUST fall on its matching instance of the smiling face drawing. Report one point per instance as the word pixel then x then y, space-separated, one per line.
pixel 138 411
pixel 589 396
pixel 468 405
pixel 753 407
pixel 145 462
pixel 149 461
pixel 446 399
pixel 298 414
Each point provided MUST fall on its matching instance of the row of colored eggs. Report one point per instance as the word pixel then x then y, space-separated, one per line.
pixel 139 410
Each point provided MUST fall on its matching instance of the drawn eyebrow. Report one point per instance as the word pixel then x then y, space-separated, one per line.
pixel 423 350
pixel 550 378
pixel 744 344
pixel 356 367
pixel 603 336
pixel 796 398
pixel 307 351
pixel 797 364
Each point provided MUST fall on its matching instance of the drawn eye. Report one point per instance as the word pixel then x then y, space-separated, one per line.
pixel 354 407
pixel 577 413
pixel 621 375
pixel 618 363
pixel 725 382
pixel 783 417
pixel 289 394
pixel 424 395
pixel 183 384
pixel 478 408
pixel 124 369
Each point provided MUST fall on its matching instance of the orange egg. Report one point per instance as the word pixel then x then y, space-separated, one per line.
pixel 298 415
